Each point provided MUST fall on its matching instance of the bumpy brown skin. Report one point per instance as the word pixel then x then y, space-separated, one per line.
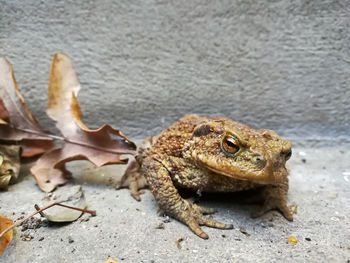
pixel 189 155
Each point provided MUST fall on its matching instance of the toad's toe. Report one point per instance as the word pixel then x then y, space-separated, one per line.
pixel 194 226
pixel 274 204
pixel 204 210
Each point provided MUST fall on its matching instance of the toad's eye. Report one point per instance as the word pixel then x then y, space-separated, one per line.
pixel 230 145
pixel 288 155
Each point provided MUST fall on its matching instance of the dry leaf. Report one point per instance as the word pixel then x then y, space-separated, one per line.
pixel 4 115
pixel 101 147
pixel 9 164
pixel 72 197
pixel 6 239
pixel 17 124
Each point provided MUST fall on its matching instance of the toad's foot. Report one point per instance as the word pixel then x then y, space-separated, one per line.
pixel 133 179
pixel 170 201
pixel 193 216
pixel 274 204
pixel 276 199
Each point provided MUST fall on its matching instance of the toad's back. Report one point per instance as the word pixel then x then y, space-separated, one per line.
pixel 171 141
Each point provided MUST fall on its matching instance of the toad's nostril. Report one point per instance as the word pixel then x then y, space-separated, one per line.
pixel 258 159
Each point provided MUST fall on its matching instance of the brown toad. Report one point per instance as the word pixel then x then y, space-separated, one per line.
pixel 211 155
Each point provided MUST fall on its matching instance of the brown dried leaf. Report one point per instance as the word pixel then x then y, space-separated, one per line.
pixel 101 146
pixel 17 125
pixel 6 239
pixel 9 164
pixel 4 115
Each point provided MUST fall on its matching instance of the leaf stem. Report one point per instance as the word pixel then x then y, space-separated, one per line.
pixel 52 136
pixel 19 222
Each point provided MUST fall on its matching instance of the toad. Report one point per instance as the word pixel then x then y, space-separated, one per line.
pixel 211 154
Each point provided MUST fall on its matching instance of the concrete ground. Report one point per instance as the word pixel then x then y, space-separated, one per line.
pixel 131 231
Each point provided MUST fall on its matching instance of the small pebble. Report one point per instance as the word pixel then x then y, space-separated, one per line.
pixel 160 226
pixel 166 219
pixel 292 240
pixel 70 240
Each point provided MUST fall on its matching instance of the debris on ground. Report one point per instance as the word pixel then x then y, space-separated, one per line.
pixel 243 231
pixel 292 240
pixel 70 240
pixel 178 242
pixel 294 208
pixel 110 260
pixel 26 236
pixel 160 226
pixel 33 223
pixel 166 219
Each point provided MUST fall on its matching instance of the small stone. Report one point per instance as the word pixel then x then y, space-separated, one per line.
pixel 292 240
pixel 70 240
pixel 244 231
pixel 160 226
pixel 166 219
pixel 41 239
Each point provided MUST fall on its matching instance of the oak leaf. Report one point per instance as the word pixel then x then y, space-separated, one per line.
pixel 102 146
pixel 6 239
pixel 17 125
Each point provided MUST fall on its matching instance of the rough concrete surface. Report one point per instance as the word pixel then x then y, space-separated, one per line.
pixel 276 64
pixel 129 231
pixel 282 65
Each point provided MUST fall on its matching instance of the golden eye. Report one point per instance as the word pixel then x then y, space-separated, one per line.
pixel 230 145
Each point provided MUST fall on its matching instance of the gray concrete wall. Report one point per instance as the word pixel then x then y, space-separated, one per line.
pixel 283 65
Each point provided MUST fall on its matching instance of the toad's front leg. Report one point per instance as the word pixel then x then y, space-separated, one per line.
pixel 171 202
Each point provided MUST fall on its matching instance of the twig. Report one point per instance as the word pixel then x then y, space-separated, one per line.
pixel 19 222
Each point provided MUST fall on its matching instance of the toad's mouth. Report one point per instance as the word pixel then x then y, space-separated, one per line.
pixel 264 176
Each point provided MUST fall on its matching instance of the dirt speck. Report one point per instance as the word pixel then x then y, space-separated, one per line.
pixel 33 223
pixel 244 232
pixel 178 242
pixel 70 240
